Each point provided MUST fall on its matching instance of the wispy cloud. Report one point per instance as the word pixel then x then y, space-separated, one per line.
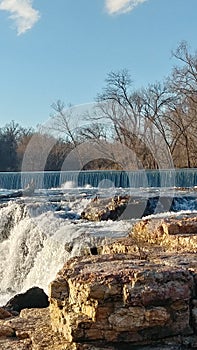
pixel 121 6
pixel 21 12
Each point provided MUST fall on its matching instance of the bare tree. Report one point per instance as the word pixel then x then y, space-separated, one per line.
pixel 184 77
pixel 183 115
pixel 62 121
pixel 137 117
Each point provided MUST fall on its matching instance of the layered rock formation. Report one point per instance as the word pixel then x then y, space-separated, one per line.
pixel 139 293
pixel 178 233
pixel 116 299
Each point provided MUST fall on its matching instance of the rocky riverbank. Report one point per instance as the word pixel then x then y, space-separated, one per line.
pixel 138 292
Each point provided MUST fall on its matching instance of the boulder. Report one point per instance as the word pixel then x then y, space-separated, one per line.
pixel 129 207
pixel 137 292
pixel 116 299
pixel 30 331
pixel 34 297
pixel 105 208
pixel 123 293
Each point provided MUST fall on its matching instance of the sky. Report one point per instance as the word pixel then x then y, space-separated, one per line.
pixel 64 49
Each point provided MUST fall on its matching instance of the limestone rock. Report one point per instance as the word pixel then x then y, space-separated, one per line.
pixel 105 208
pixel 33 331
pixel 171 233
pixel 115 299
pixel 132 207
pixel 12 344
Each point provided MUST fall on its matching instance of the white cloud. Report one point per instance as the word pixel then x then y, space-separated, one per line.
pixel 121 6
pixel 22 12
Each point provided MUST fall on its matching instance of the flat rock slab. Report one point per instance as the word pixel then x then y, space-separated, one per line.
pixel 31 331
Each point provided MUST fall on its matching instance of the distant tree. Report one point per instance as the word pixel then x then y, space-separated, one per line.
pixel 13 141
pixel 9 137
pixel 57 155
pixel 184 77
pixel 22 143
pixel 62 122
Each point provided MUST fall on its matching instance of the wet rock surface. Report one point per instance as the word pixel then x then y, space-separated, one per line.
pixel 128 207
pixel 34 297
pixel 105 208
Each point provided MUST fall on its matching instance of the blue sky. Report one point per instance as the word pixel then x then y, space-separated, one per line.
pixel 63 49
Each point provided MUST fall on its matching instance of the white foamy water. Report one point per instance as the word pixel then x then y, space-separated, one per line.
pixel 38 234
pixel 68 184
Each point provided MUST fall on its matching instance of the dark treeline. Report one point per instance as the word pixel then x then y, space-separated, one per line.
pixel 153 127
pixel 14 141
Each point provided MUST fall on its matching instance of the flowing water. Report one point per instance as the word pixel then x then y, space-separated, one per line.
pixel 125 179
pixel 39 233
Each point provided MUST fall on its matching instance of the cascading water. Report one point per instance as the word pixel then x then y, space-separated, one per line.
pixel 39 233
pixel 37 236
pixel 125 179
pixel 32 247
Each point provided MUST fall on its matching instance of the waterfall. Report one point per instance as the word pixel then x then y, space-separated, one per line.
pixel 125 179
pixel 37 237
pixel 33 238
pixel 38 234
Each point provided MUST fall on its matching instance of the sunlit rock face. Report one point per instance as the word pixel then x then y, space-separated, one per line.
pixel 138 291
pixel 178 233
pixel 114 298
pixel 32 330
